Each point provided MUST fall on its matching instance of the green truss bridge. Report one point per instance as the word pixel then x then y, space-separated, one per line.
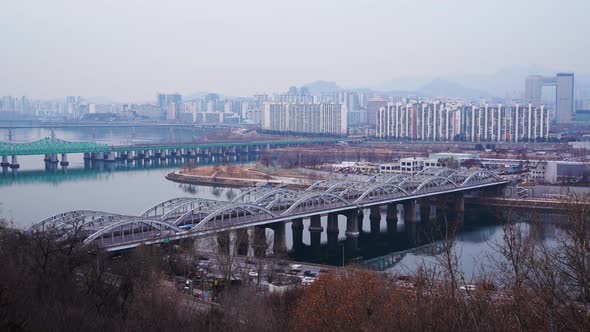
pixel 52 148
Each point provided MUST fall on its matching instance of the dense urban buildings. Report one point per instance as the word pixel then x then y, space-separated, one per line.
pixel 360 112
pixel 439 121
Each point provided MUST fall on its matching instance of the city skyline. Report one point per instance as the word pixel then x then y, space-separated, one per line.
pixel 129 51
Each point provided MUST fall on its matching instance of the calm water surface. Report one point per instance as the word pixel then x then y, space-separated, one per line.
pixel 35 194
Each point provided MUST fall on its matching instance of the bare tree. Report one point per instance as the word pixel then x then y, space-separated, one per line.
pixel 226 254
pixel 266 159
pixel 574 245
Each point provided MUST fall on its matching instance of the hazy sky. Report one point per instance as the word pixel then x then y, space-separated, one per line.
pixel 128 50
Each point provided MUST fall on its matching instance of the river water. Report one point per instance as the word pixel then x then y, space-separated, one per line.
pixel 35 194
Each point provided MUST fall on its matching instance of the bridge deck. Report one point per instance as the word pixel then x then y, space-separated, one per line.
pixel 56 146
pixel 193 217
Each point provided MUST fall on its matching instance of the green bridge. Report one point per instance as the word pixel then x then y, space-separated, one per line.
pixel 55 151
pixel 49 145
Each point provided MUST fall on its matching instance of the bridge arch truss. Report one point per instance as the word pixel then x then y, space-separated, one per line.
pixel 190 215
pixel 134 229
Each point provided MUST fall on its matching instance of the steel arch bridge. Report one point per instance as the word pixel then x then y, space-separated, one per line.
pixel 185 217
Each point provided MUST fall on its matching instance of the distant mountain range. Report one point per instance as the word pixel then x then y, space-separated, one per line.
pixel 510 79
pixel 433 88
pixel 321 87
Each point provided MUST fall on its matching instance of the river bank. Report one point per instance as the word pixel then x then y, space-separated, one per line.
pixel 241 176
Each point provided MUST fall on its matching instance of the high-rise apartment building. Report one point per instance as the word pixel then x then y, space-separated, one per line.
pixel 325 118
pixel 170 104
pixel 438 121
pixel 373 107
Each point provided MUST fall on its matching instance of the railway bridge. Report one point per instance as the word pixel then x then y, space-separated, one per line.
pixel 255 209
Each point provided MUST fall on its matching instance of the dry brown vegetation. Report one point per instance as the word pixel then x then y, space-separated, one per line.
pixel 45 285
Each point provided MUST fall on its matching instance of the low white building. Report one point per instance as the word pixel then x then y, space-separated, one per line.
pixel 558 171
pixel 416 164
pixel 389 168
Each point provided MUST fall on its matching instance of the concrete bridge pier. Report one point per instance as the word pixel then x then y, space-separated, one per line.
pixel 375 219
pixel 242 242
pixel 193 153
pixel 163 154
pixel 391 214
pixel 352 231
pixel 332 232
pixel 391 218
pixel 64 163
pixel 147 155
pixel 109 156
pixel 14 163
pixel 425 211
pixel 4 164
pixel 410 215
pixel 87 162
pixel 170 154
pixel 459 206
pixel 360 220
pixel 53 162
pixel 297 230
pixel 96 159
pixel 260 244
pixel 279 247
pixel 315 233
pixel 135 155
pixel 155 159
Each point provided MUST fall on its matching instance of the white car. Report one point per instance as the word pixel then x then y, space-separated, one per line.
pixel 307 281
pixel 253 274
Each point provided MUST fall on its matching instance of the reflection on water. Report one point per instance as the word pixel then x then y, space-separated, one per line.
pixel 388 246
pixel 37 192
pixel 131 188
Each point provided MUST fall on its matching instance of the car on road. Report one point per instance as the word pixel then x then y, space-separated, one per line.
pixel 310 273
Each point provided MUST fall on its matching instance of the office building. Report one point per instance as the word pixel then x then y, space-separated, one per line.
pixel 564 94
pixel 564 99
